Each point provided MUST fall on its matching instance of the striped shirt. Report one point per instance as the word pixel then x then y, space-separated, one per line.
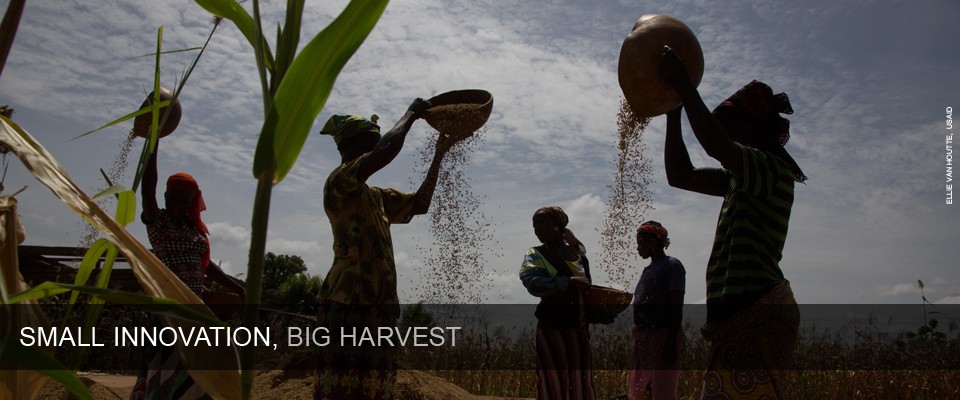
pixel 752 228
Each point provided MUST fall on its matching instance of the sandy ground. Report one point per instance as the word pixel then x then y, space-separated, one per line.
pixel 276 384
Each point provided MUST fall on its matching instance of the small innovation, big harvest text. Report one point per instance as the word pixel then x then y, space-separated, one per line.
pixel 381 336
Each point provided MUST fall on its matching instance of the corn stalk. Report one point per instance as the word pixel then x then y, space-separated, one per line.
pixel 295 88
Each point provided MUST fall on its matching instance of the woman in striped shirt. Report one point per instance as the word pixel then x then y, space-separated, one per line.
pixel 752 317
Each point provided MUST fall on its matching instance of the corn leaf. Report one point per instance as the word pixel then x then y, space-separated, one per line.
pixel 164 52
pixel 126 207
pixel 155 278
pixel 126 117
pixel 39 362
pixel 100 248
pixel 307 85
pixel 232 10
pixel 22 383
pixel 87 265
pixel 158 305
pixel 288 39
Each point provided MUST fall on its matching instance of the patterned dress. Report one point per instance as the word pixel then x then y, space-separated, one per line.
pixel 752 316
pixel 564 366
pixel 361 287
pixel 181 247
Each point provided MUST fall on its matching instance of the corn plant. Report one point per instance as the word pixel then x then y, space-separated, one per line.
pixel 162 286
pixel 295 88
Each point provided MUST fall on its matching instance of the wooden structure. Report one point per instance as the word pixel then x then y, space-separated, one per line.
pixel 58 264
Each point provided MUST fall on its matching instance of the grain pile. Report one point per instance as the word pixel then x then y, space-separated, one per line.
pixel 454 270
pixel 630 199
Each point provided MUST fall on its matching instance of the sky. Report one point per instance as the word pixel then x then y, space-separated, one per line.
pixel 871 83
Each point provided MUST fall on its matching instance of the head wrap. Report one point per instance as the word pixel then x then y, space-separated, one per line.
pixel 756 105
pixel 183 182
pixel 654 228
pixel 343 127
pixel 556 213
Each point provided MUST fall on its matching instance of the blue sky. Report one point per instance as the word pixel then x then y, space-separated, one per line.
pixel 870 82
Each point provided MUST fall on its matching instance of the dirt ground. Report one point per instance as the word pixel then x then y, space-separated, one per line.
pixel 276 384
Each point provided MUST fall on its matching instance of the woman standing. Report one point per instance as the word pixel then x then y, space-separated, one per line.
pixel 179 239
pixel 657 317
pixel 752 316
pixel 558 272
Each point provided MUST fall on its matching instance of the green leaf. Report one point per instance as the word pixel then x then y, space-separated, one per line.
pixel 31 358
pixel 126 207
pixel 126 117
pixel 87 265
pixel 289 38
pixel 165 52
pixel 230 9
pixel 111 190
pixel 170 307
pixel 307 85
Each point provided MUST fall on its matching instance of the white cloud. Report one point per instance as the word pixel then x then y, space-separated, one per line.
pixel 899 289
pixel 227 234
pixel 949 300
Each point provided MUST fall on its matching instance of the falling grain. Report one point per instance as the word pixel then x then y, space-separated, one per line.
pixel 454 271
pixel 117 174
pixel 630 199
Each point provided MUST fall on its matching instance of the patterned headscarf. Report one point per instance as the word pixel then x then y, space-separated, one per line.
pixel 183 182
pixel 556 213
pixel 756 104
pixel 654 228
pixel 343 127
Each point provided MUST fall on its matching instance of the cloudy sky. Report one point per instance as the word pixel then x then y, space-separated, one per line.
pixel 870 82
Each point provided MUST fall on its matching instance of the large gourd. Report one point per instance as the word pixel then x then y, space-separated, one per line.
pixel 647 95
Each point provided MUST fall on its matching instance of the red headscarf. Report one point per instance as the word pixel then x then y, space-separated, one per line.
pixel 654 228
pixel 183 182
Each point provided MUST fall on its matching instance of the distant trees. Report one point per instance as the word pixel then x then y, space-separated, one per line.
pixel 277 268
pixel 287 283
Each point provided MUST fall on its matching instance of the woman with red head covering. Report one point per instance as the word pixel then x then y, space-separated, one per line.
pixel 657 318
pixel 179 239
pixel 752 316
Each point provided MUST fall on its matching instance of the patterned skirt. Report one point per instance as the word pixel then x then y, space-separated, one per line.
pixel 752 351
pixel 564 370
pixel 355 372
pixel 163 377
pixel 161 374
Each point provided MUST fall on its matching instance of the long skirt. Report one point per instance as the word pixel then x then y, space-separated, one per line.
pixel 355 372
pixel 564 371
pixel 752 350
pixel 649 368
pixel 163 377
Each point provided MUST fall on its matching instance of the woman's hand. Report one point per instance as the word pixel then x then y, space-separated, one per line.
pixel 444 143
pixel 418 107
pixel 572 240
pixel 672 70
pixel 580 281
